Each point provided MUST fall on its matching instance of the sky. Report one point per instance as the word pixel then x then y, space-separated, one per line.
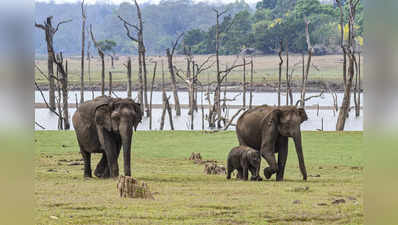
pixel 139 1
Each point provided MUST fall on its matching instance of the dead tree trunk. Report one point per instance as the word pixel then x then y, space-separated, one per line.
pixel 89 70
pixel 170 55
pixel 287 72
pixel 64 82
pixel 142 71
pixel 280 72
pixel 251 83
pixel 129 77
pixel 102 55
pixel 150 98
pixel 60 120
pixel 344 110
pixel 110 84
pixel 49 32
pixel 305 75
pixel 82 59
pixel 244 83
pixel 163 102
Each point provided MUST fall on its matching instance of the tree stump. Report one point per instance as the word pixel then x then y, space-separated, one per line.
pixel 213 168
pixel 195 156
pixel 129 187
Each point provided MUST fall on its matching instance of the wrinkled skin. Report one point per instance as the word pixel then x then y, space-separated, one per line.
pixel 266 129
pixel 243 159
pixel 105 125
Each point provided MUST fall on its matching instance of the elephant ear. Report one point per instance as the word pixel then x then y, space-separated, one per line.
pixel 103 117
pixel 138 114
pixel 273 117
pixel 302 114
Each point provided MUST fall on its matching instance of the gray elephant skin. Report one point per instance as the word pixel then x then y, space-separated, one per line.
pixel 243 159
pixel 105 125
pixel 266 129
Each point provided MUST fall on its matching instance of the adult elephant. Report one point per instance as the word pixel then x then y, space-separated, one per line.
pixel 266 129
pixel 104 125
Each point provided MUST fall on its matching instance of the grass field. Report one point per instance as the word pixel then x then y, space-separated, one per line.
pixel 185 195
pixel 327 68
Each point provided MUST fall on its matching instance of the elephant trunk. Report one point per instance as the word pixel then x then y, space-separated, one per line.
pixel 299 150
pixel 126 136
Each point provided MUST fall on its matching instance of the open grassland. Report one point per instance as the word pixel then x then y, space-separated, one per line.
pixel 185 195
pixel 326 68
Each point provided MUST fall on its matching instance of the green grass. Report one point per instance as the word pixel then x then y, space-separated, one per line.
pixel 185 195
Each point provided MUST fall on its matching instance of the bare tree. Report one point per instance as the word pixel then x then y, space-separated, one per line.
pixel 139 39
pixel 244 83
pixel 129 77
pixel 101 54
pixel 307 70
pixel 89 69
pixel 49 32
pixel 251 83
pixel 170 55
pixel 84 17
pixel 110 83
pixel 62 86
pixel 349 49
pixel 280 72
pixel 150 98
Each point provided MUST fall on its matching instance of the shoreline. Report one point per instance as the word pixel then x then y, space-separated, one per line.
pixel 312 86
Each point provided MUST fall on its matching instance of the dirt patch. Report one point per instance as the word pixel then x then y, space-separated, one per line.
pixel 338 201
pixel 214 169
pixel 129 187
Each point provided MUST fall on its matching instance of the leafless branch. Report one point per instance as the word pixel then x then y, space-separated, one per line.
pixel 176 43
pixel 62 22
pixel 41 72
pixel 129 24
pixel 40 125
pixel 41 26
pixel 45 101
pixel 233 117
pixel 311 97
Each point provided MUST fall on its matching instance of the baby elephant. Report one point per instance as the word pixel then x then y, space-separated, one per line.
pixel 243 159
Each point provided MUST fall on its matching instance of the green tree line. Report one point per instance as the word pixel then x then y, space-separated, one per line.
pixel 272 21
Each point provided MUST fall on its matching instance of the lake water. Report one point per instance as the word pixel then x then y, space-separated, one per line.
pixel 48 120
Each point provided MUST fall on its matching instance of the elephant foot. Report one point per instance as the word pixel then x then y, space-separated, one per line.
pixel 268 173
pixel 102 174
pixel 257 178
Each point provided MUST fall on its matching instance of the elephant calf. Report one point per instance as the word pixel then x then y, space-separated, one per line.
pixel 243 159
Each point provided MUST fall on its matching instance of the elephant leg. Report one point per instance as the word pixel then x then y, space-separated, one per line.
pixel 282 146
pixel 240 173
pixel 102 169
pixel 110 148
pixel 87 162
pixel 267 151
pixel 245 173
pixel 229 171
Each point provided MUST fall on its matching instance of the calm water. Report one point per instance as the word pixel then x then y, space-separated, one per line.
pixel 47 119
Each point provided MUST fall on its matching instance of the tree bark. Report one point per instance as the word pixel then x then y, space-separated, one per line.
pixel 244 83
pixel 82 56
pixel 287 72
pixel 280 72
pixel 173 82
pixel 102 73
pixel 251 84
pixel 129 77
pixel 305 76
pixel 64 82
pixel 110 84
pixel 150 98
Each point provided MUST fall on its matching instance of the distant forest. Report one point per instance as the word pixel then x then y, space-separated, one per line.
pixel 260 27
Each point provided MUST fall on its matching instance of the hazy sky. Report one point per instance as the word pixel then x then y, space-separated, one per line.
pixel 139 1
